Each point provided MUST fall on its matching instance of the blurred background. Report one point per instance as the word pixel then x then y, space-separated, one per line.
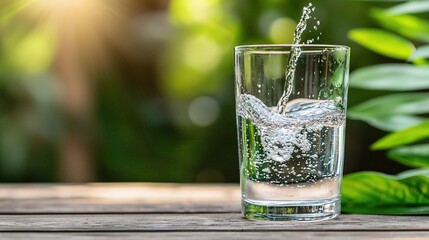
pixel 143 90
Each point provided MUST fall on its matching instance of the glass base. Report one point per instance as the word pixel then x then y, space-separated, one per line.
pixel 292 211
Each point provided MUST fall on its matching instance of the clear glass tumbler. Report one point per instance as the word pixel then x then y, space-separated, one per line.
pixel 291 114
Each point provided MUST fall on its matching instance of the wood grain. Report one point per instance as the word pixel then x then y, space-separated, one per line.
pixel 221 235
pixel 173 211
pixel 79 206
pixel 119 198
pixel 147 192
pixel 202 222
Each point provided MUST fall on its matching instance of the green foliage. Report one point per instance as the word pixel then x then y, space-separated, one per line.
pixel 410 7
pixel 413 156
pixel 378 193
pixel 397 77
pixel 392 112
pixel 408 192
pixel 394 104
pixel 383 42
pixel 409 26
pixel 421 52
pixel 403 137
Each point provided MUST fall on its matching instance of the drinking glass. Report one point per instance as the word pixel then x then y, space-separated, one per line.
pixel 291 105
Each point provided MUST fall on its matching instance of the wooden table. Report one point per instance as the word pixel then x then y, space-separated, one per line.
pixel 169 211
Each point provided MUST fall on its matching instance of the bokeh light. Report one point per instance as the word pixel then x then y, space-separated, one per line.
pixel 281 30
pixel 195 11
pixel 203 111
pixel 131 90
pixel 32 54
pixel 202 54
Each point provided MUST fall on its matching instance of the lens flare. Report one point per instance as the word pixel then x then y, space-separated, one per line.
pixel 91 27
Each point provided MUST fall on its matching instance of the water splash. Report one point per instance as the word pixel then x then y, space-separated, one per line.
pixel 283 134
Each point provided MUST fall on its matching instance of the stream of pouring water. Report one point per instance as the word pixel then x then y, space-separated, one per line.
pixel 295 52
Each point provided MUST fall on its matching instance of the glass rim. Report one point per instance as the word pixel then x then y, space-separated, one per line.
pixel 279 48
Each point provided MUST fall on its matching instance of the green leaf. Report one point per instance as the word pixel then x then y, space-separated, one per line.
pixel 377 193
pixel 392 112
pixel 413 172
pixel 394 104
pixel 389 123
pixel 397 77
pixel 413 156
pixel 421 52
pixel 406 25
pixel 406 136
pixel 409 7
pixel 383 42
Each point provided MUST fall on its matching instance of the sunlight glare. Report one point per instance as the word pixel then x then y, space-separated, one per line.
pixel 85 25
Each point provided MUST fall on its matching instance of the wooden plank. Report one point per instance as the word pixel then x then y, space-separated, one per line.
pixel 79 206
pixel 152 192
pixel 221 235
pixel 119 198
pixel 203 222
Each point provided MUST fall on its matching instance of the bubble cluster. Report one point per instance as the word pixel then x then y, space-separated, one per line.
pixel 296 147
